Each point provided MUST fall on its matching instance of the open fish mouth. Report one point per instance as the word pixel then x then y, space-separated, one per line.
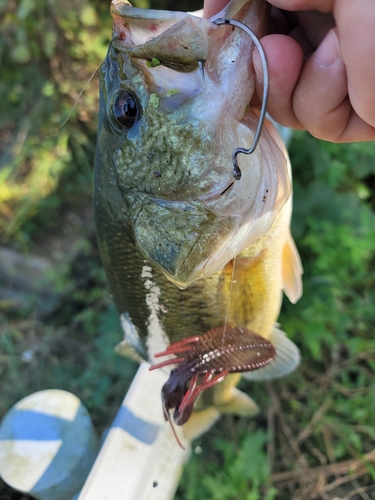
pixel 180 39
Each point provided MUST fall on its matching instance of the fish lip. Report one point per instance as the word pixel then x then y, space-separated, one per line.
pixel 123 8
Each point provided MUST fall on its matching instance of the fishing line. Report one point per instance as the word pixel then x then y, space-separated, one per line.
pixel 223 21
pixel 76 102
pixel 156 481
pixel 232 280
pixel 230 293
pixel 236 172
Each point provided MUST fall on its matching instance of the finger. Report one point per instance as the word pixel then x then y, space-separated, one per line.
pixel 320 101
pixel 212 7
pixel 311 29
pixel 356 22
pixel 285 59
pixel 296 5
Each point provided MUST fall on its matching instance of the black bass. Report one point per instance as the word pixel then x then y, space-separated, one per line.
pixel 196 260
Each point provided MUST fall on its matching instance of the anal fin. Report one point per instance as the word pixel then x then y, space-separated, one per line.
pixel 287 359
pixel 124 348
pixel 240 404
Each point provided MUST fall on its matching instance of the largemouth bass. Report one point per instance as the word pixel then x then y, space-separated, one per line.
pixel 196 261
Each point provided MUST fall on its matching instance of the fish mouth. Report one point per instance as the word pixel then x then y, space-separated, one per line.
pixel 179 40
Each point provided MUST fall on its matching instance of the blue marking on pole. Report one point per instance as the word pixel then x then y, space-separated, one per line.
pixel 142 430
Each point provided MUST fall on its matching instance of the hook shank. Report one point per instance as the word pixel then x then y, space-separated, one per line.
pixel 222 21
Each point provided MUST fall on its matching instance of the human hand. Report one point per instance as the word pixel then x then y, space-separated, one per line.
pixel 321 58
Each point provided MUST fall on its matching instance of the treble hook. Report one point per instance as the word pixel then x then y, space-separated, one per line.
pixel 236 169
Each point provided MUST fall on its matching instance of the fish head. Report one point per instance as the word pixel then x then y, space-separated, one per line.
pixel 175 91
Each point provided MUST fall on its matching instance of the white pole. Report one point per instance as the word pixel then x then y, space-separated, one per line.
pixel 140 458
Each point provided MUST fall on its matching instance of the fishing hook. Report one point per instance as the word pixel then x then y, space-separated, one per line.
pixel 222 21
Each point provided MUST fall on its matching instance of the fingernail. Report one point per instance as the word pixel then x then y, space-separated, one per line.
pixel 258 65
pixel 328 51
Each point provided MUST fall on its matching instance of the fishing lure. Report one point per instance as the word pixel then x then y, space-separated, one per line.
pixel 204 360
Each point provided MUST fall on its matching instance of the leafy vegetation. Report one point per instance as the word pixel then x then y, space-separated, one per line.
pixel 48 51
pixel 315 426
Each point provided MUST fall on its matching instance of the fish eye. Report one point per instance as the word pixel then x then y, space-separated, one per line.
pixel 126 109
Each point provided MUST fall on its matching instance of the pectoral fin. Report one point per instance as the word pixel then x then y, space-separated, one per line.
pixel 127 350
pixel 292 270
pixel 287 359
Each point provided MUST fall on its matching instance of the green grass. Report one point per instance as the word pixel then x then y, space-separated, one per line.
pixel 316 425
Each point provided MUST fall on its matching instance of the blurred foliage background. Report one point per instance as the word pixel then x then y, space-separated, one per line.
pixel 315 436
